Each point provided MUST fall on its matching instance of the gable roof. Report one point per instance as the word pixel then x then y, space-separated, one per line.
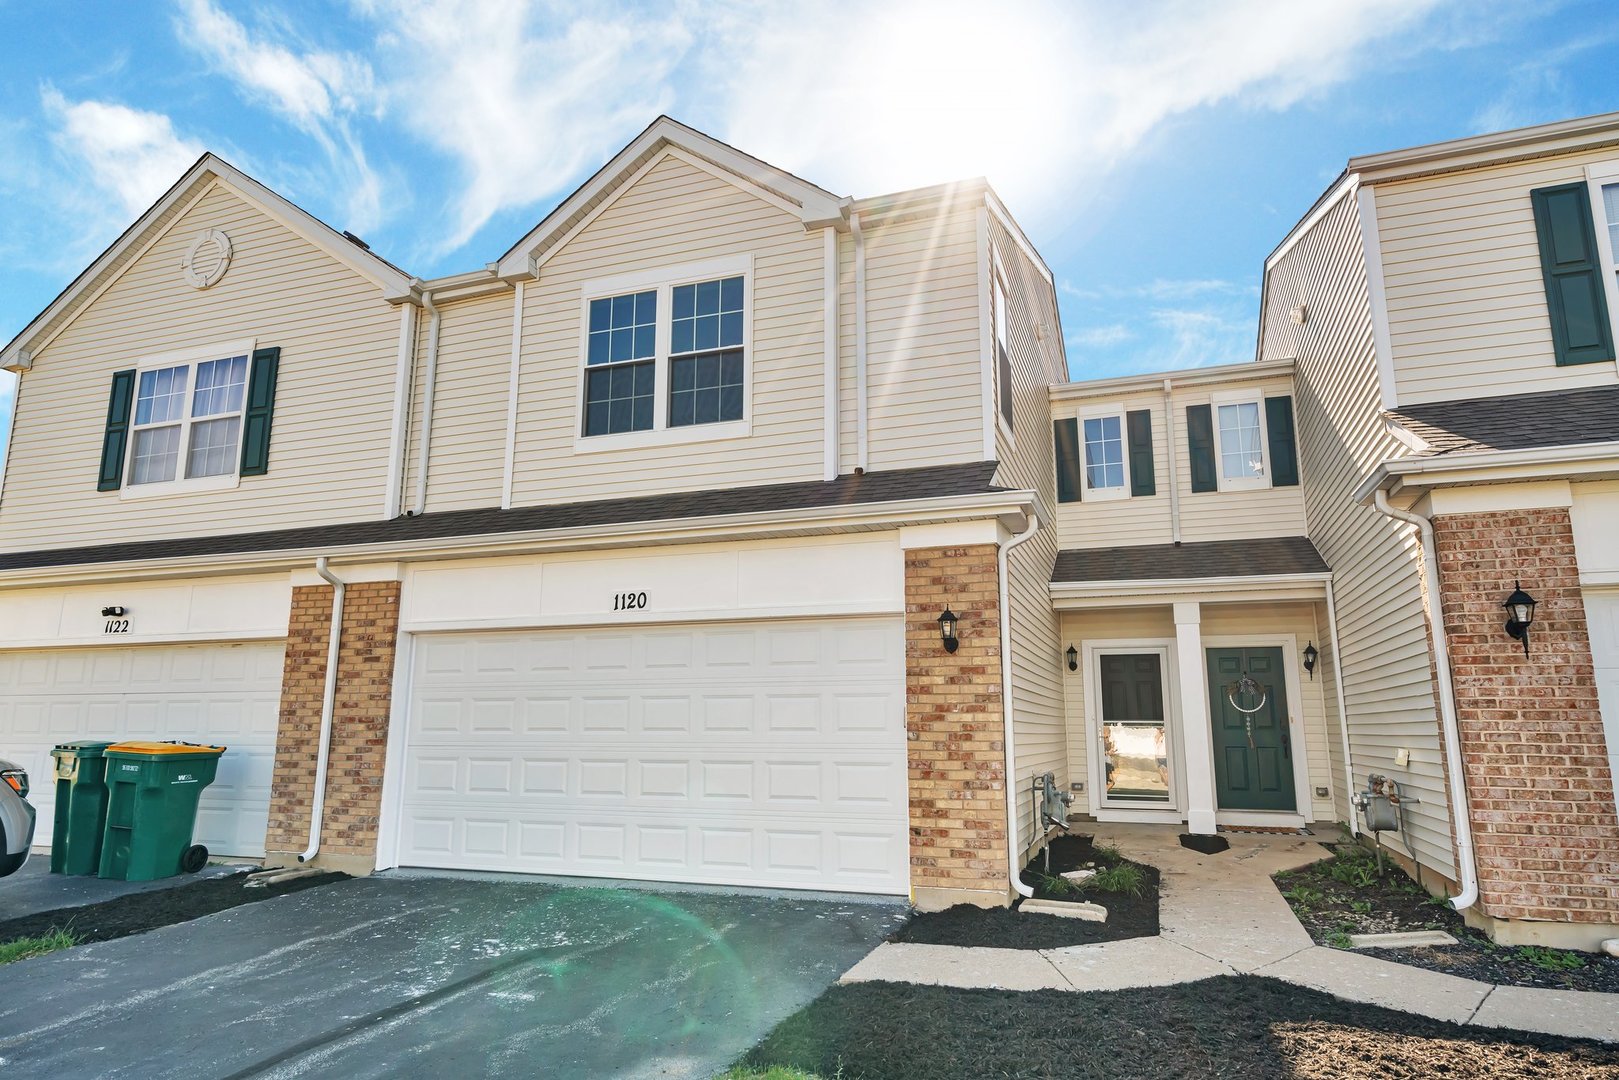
pixel 209 170
pixel 815 205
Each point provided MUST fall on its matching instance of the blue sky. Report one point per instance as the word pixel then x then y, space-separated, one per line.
pixel 1155 151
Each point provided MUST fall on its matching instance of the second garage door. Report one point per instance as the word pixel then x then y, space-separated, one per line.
pixel 768 753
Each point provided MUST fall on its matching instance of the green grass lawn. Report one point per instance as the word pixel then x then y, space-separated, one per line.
pixel 24 948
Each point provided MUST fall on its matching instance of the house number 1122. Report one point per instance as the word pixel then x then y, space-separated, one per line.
pixel 629 601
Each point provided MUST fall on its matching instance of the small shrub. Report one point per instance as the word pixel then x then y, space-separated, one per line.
pixel 1123 878
pixel 1361 907
pixel 1303 897
pixel 1551 959
pixel 1437 901
pixel 24 948
pixel 1338 939
pixel 1107 854
pixel 1056 884
pixel 1357 873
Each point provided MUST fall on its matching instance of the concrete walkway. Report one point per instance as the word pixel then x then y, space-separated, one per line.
pixel 1222 915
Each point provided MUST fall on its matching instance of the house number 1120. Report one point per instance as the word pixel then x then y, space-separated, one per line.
pixel 629 601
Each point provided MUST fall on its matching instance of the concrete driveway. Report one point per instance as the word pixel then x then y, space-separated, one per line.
pixel 436 976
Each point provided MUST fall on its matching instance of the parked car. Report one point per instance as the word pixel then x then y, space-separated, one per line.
pixel 16 818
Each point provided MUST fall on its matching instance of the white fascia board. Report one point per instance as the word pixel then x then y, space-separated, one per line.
pixel 1011 507
pixel 815 205
pixel 1492 467
pixel 1497 147
pixel 1162 591
pixel 1153 382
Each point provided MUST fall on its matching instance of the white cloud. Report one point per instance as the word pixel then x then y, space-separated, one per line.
pixel 1100 337
pixel 318 91
pixel 525 99
pixel 133 155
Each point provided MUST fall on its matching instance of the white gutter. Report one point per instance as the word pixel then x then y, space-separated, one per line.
pixel 1418 469
pixel 436 318
pixel 1343 713
pixel 396 436
pixel 328 706
pixel 1013 849
pixel 859 340
pixel 1174 475
pixel 1447 702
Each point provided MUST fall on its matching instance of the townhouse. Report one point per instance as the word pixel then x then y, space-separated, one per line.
pixel 728 530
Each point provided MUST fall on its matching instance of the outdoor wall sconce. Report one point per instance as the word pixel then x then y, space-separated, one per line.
pixel 947 630
pixel 1520 614
pixel 114 612
pixel 1073 658
pixel 1311 655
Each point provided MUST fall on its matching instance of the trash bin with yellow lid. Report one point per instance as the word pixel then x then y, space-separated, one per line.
pixel 153 789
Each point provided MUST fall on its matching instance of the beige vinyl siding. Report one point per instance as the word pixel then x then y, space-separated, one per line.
pixel 1037 691
pixel 334 398
pixel 677 214
pixel 1235 620
pixel 923 352
pixel 1208 515
pixel 1461 269
pixel 1388 692
pixel 468 447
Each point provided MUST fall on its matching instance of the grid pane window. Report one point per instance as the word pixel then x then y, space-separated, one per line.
pixel 705 346
pixel 622 328
pixel 220 385
pixel 1610 214
pixel 162 395
pixel 619 398
pixel 622 364
pixel 707 316
pixel 157 452
pixel 1240 454
pixel 705 389
pixel 213 447
pixel 1104 453
pixel 188 421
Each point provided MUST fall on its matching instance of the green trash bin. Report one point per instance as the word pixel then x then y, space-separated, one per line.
pixel 153 789
pixel 81 807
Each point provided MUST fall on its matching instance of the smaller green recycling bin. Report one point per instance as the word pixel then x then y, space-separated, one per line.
pixel 153 789
pixel 81 807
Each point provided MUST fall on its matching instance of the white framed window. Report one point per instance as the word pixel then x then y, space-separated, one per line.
pixel 1239 442
pixel 664 356
pixel 1000 318
pixel 1102 447
pixel 185 433
pixel 1602 181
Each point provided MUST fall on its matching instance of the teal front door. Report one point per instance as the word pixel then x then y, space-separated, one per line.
pixel 1253 750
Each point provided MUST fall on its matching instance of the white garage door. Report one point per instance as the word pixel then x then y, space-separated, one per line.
pixel 223 694
pixel 768 754
pixel 1602 620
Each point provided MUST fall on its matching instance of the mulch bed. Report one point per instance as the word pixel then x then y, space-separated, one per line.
pixel 1322 904
pixel 138 912
pixel 1006 928
pixel 1235 1025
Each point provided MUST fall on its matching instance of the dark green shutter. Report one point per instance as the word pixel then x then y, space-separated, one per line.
pixel 1200 442
pixel 260 411
pixel 1070 474
pixel 1284 455
pixel 1142 478
pixel 1575 292
pixel 115 440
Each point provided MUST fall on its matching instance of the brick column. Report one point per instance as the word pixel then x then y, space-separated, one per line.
pixel 365 668
pixel 957 758
pixel 1535 759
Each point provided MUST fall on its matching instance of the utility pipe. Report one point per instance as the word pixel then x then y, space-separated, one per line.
pixel 427 401
pixel 328 706
pixel 1447 701
pixel 1013 848
pixel 1343 715
pixel 860 417
pixel 1169 448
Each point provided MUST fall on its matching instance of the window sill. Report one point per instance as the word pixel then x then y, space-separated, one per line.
pixel 178 487
pixel 1252 483
pixel 679 436
pixel 1117 494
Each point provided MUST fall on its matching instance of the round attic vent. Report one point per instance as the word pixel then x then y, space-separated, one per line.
pixel 207 259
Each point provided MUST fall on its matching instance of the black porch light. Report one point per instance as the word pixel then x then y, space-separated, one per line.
pixel 947 630
pixel 1520 607
pixel 1311 655
pixel 1073 658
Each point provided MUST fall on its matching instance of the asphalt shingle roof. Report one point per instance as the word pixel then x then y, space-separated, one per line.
pixel 1516 421
pixel 1265 557
pixel 939 481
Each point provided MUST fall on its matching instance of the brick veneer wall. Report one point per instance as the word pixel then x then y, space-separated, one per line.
pixel 957 759
pixel 365 669
pixel 1542 799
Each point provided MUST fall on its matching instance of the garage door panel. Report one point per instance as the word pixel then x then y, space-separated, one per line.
pixel 764 754
pixel 226 694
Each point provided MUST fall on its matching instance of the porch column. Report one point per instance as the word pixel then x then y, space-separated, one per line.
pixel 1197 740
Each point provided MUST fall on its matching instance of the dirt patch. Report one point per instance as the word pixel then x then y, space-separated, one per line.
pixel 1128 916
pixel 136 913
pixel 1344 895
pixel 1229 1026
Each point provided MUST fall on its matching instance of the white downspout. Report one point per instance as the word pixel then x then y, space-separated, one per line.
pixel 428 392
pixel 1014 850
pixel 1174 475
pixel 1447 702
pixel 328 706
pixel 859 341
pixel 1343 714
pixel 397 434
